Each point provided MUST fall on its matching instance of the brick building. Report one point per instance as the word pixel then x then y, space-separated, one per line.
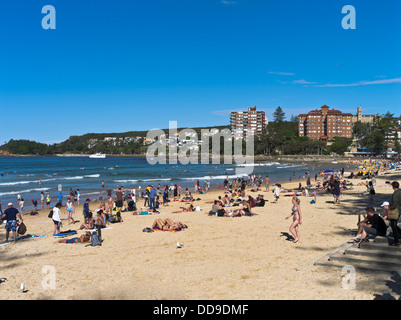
pixel 325 124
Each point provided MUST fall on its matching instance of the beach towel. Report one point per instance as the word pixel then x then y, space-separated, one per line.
pixel 28 236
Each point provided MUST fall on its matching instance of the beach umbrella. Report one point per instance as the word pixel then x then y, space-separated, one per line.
pixel 328 171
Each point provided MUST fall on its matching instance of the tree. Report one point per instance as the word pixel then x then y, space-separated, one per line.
pixel 360 129
pixel 340 145
pixel 278 115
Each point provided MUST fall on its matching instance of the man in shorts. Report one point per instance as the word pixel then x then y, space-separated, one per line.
pixel 267 183
pixel 375 226
pixel 11 214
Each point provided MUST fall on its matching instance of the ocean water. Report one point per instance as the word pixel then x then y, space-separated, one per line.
pixel 28 176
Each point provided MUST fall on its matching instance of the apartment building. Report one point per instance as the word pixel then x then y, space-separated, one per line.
pixel 325 124
pixel 245 123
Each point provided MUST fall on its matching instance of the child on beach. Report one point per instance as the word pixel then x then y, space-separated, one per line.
pixel 276 192
pixel 297 218
pixel 70 211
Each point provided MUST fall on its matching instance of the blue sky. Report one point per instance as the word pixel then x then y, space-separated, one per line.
pixel 115 66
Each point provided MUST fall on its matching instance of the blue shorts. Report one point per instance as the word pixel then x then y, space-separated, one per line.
pixel 11 225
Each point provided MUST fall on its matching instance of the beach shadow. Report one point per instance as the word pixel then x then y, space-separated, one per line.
pixel 395 285
pixel 286 234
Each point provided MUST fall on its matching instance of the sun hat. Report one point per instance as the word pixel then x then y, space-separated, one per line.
pixel 10 204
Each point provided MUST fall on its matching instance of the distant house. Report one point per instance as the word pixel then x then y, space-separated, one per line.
pixel 364 118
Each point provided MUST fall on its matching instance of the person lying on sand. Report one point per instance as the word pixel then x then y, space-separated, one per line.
pixel 82 239
pixel 168 225
pixel 183 209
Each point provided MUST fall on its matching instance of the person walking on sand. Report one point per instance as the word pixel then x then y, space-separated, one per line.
pixel 297 218
pixel 70 211
pixel 56 218
pixel 42 199
pixel 276 192
pixel 11 214
pixel 267 183
pixel 336 191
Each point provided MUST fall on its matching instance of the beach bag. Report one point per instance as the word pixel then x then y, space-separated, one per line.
pixel 95 240
pixel 393 214
pixel 21 228
pixel 50 214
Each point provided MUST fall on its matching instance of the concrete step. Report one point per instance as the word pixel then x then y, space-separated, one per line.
pixel 376 251
pixel 367 260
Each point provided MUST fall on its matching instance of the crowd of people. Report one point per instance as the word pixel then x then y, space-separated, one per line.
pixel 240 196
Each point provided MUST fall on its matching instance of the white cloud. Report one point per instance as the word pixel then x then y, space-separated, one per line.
pixel 361 83
pixel 301 81
pixel 228 1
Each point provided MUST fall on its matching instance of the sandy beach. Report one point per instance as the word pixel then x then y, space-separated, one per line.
pixel 247 258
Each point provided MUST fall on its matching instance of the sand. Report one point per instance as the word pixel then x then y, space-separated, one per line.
pixel 247 258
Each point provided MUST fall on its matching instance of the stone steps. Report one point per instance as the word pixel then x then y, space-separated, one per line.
pixel 376 254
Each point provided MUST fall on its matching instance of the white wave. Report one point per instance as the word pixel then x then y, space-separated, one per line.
pixel 142 180
pixel 72 178
pixel 23 191
pixel 16 183
pixel 290 166
pixel 222 177
pixel 13 183
pixel 258 164
pixel 92 176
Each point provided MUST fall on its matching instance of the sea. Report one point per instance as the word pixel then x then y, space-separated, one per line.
pixel 29 176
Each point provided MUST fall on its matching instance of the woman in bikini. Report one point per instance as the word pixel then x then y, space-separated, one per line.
pixel 297 218
pixel 110 205
pixel 168 225
pixel 183 209
pixel 82 239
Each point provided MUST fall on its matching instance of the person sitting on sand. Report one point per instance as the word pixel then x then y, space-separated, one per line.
pixel 85 238
pixel 188 198
pixel 226 201
pixel 89 222
pixel 168 225
pixel 100 221
pixel 215 208
pixel 260 201
pixel 243 210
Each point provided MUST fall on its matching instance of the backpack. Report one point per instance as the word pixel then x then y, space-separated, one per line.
pixel 95 240
pixel 21 228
